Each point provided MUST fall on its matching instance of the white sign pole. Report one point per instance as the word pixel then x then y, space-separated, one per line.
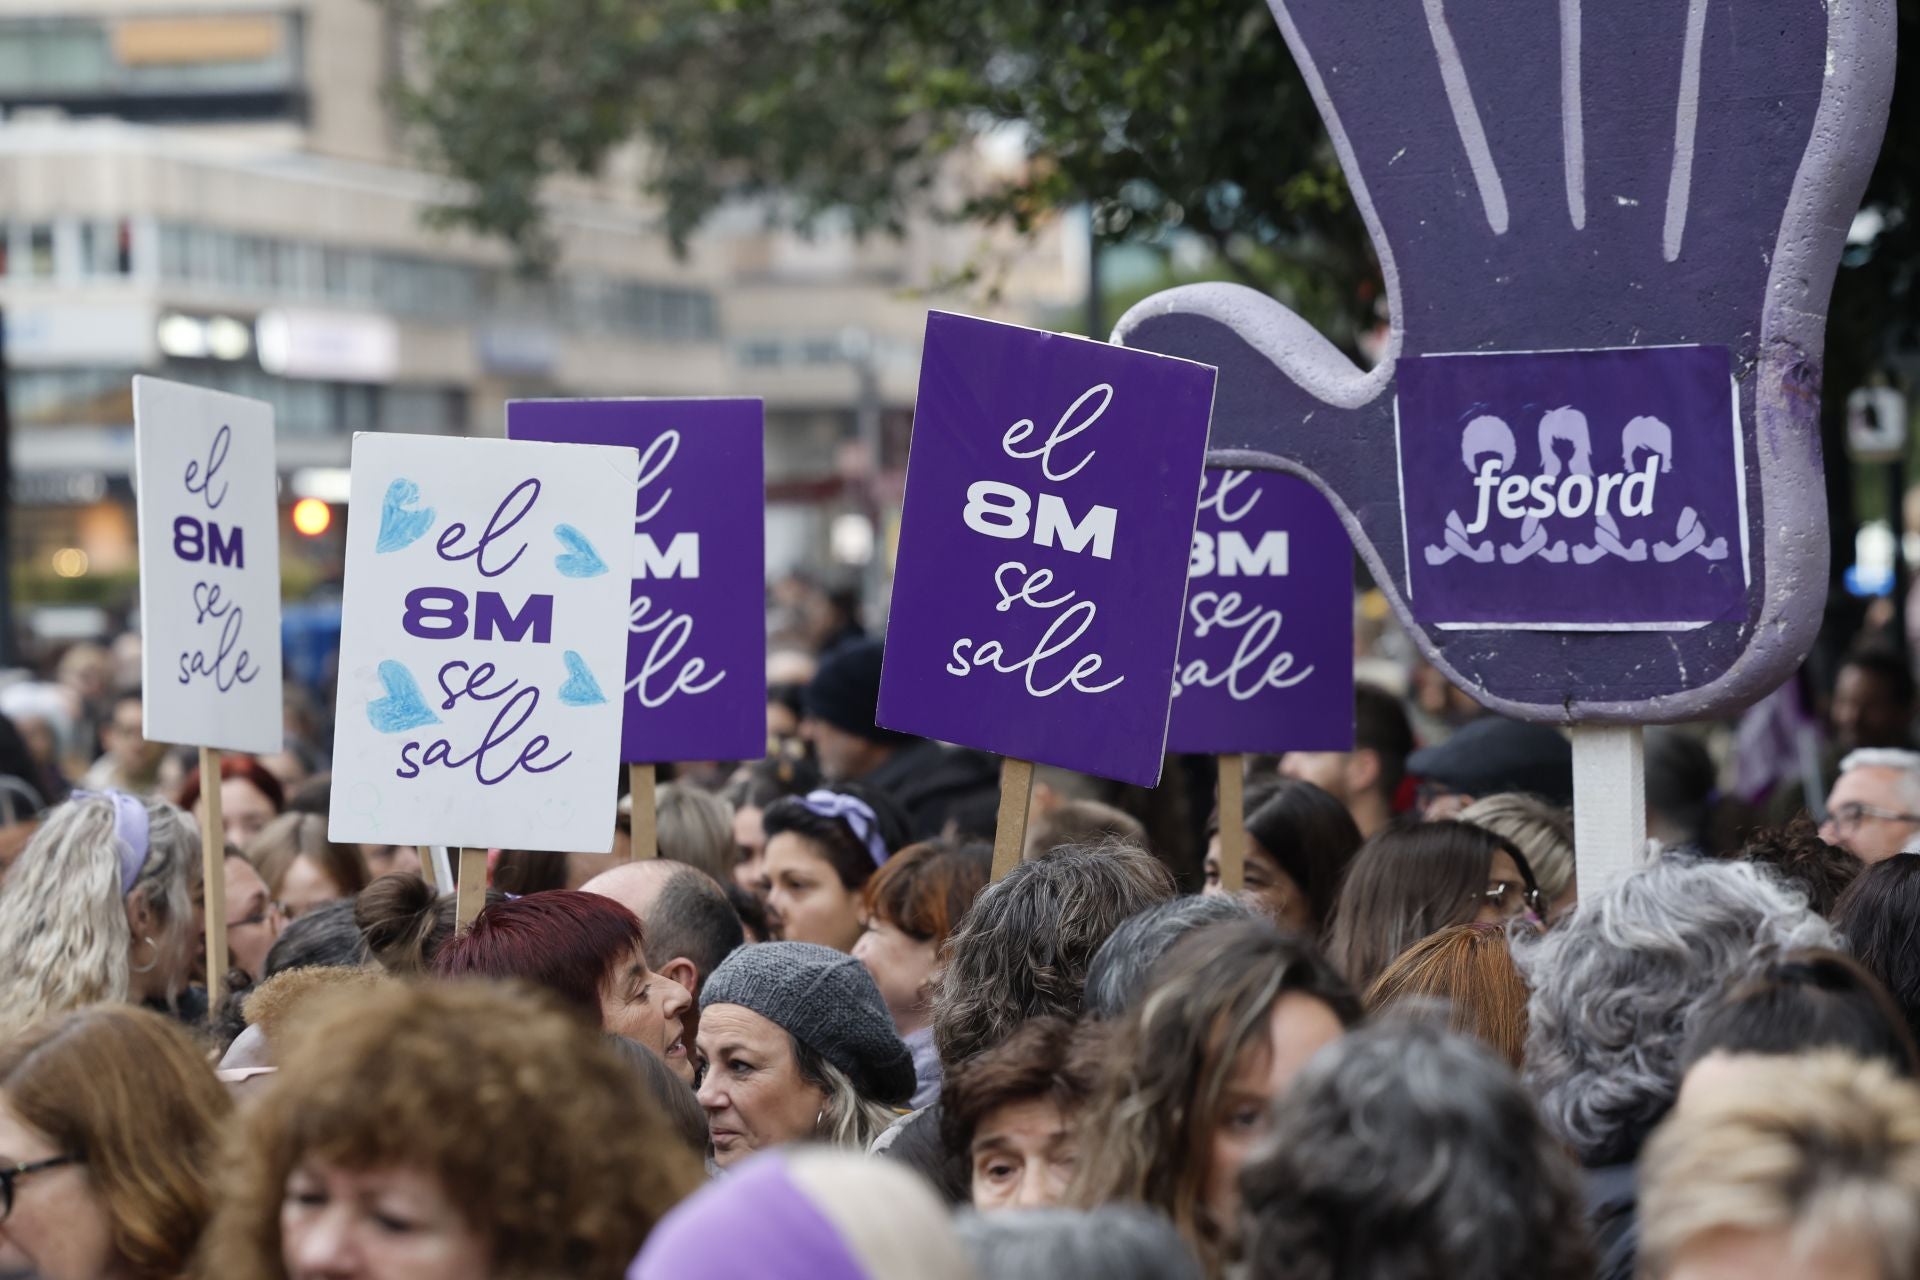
pixel 1609 803
pixel 207 483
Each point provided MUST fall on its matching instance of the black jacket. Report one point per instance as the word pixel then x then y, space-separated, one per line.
pixel 930 781
pixel 1613 1216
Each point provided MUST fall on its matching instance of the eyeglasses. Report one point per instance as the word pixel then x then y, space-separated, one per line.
pixel 1513 897
pixel 1848 817
pixel 8 1175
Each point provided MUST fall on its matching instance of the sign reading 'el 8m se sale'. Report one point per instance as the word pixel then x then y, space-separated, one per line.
pixel 1266 656
pixel 209 567
pixel 482 643
pixel 696 682
pixel 1044 540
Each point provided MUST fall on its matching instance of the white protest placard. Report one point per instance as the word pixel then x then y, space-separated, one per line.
pixel 209 567
pixel 483 643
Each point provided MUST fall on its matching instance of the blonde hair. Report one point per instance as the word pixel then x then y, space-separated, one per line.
pixel 696 828
pixel 1541 831
pixel 126 1091
pixel 64 939
pixel 846 1118
pixel 1824 1148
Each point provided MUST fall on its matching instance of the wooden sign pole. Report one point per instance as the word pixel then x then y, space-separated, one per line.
pixel 1016 796
pixel 472 890
pixel 1609 803
pixel 646 816
pixel 426 865
pixel 213 873
pixel 1233 821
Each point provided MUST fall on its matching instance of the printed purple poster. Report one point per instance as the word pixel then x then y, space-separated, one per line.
pixel 1573 490
pixel 1049 515
pixel 696 630
pixel 1266 651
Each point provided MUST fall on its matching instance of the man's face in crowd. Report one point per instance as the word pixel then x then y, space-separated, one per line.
pixel 1326 770
pixel 1870 813
pixel 843 756
pixel 1865 712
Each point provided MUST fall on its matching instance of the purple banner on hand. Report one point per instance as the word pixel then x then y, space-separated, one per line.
pixel 1043 551
pixel 1573 490
pixel 1266 651
pixel 696 630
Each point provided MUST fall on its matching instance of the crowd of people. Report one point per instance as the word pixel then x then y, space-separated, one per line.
pixel 813 1038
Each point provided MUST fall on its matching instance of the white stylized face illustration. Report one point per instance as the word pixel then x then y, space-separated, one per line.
pixel 1647 435
pixel 1565 426
pixel 1487 435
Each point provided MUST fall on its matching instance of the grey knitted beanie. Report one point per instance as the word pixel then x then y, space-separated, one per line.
pixel 827 1001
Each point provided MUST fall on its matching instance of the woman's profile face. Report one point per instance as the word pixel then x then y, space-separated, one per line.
pixel 305 886
pixel 245 809
pixel 59 1228
pixel 1506 890
pixel 1264 886
pixel 806 901
pixel 376 1224
pixel 648 1008
pixel 1299 1027
pixel 750 845
pixel 752 1089
pixel 902 967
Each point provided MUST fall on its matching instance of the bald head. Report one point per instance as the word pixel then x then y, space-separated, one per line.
pixel 684 914
pixel 636 885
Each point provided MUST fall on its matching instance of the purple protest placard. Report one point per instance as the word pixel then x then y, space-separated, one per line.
pixel 1266 651
pixel 1049 513
pixel 696 631
pixel 1573 490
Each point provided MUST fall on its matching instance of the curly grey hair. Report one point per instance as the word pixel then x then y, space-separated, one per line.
pixel 1112 1242
pixel 1118 974
pixel 1408 1152
pixel 1616 988
pixel 1024 947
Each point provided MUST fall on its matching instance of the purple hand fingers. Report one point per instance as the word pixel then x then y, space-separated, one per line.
pixel 1537 177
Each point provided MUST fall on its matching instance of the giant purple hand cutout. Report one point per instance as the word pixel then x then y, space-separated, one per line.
pixel 1567 177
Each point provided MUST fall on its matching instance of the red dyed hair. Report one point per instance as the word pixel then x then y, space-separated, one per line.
pixel 566 941
pixel 237 767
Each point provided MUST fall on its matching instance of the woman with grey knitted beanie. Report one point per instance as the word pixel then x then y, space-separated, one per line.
pixel 796 1044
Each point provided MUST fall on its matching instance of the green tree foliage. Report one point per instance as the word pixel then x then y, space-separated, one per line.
pixel 1170 116
pixel 1166 116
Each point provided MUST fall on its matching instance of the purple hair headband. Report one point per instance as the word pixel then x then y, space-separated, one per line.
pixel 129 832
pixel 856 813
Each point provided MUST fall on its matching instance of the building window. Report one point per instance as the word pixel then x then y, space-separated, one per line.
pixel 106 248
pixel 434 289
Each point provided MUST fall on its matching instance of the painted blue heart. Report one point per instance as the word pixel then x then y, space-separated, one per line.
pixel 403 708
pixel 579 560
pixel 399 526
pixel 581 689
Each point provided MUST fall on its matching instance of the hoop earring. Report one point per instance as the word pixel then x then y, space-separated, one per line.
pixel 151 964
